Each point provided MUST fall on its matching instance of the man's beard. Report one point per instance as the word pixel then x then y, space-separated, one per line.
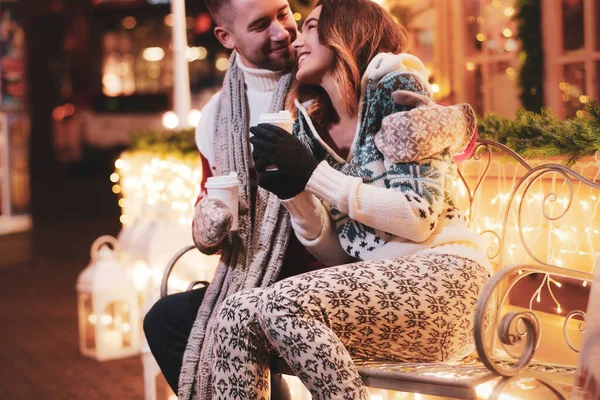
pixel 274 64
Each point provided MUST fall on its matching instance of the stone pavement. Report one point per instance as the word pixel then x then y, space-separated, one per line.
pixel 39 356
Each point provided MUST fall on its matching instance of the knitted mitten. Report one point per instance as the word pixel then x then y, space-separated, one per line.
pixel 426 129
pixel 211 224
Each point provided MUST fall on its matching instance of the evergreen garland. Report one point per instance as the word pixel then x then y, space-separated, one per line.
pixel 540 135
pixel 531 75
pixel 180 143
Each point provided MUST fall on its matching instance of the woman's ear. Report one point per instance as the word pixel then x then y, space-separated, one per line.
pixel 225 37
pixel 411 99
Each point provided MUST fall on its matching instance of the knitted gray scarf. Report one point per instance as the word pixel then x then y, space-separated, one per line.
pixel 251 257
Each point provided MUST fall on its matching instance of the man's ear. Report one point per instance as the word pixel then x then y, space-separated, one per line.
pixel 225 37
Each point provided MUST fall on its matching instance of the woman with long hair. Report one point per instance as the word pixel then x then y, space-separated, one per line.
pixel 409 271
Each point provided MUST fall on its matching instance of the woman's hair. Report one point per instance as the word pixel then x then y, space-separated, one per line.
pixel 356 30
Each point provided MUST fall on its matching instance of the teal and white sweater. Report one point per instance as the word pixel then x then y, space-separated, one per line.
pixel 369 208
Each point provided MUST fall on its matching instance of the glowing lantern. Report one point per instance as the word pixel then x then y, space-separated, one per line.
pixel 109 317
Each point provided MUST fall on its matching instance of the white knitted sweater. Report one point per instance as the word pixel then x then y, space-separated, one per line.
pixel 377 207
pixel 260 87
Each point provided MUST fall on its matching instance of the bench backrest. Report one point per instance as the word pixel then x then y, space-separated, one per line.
pixel 543 216
pixel 532 211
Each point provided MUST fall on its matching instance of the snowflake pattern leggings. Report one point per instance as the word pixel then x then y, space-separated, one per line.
pixel 415 308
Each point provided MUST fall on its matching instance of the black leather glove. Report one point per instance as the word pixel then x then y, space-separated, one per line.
pixel 275 146
pixel 278 183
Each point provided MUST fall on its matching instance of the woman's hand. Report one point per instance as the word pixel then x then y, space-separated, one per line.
pixel 295 163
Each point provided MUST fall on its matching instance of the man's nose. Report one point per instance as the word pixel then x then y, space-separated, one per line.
pixel 279 32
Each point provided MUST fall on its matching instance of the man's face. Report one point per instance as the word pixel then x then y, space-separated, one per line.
pixel 262 32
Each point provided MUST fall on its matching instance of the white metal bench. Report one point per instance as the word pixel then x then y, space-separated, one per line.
pixel 541 198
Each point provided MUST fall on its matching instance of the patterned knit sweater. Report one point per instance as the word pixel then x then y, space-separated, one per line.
pixel 378 209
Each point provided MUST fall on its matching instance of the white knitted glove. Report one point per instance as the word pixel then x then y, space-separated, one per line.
pixel 425 130
pixel 212 223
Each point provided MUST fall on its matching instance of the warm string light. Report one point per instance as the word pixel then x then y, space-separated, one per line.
pixel 494 33
pixel 546 281
pixel 157 199
pixel 582 242
pixel 147 182
pixel 568 243
pixel 572 93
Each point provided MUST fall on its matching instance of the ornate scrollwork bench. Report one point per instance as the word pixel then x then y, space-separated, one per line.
pixel 539 220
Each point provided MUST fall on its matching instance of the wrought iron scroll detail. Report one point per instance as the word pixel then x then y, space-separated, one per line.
pixel 514 328
pixel 580 328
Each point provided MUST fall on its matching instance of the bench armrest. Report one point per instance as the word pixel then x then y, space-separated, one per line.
pixel 169 268
pixel 514 327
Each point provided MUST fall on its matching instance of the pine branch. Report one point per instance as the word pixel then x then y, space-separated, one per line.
pixel 542 135
pixel 180 142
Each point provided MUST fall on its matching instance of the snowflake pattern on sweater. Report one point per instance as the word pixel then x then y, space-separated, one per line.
pixel 425 183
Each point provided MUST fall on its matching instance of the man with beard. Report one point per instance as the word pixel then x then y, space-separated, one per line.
pixel 263 250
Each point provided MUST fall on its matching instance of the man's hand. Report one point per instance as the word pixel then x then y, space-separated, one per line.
pixel 212 223
pixel 275 146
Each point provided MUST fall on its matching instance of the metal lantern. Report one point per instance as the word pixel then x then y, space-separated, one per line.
pixel 109 317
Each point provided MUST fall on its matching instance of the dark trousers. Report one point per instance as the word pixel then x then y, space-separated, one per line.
pixel 167 327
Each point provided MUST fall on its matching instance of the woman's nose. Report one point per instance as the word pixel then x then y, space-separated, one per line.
pixel 298 43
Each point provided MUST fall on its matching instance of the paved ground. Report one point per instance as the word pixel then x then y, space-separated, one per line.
pixel 39 353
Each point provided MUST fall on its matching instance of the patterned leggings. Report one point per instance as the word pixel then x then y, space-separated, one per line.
pixel 416 308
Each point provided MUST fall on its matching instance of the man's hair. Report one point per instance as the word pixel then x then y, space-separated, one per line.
pixel 220 10
pixel 357 30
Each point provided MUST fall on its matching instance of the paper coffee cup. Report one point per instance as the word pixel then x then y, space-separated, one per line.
pixel 227 189
pixel 282 119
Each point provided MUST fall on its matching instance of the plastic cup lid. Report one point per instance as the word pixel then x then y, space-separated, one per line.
pixel 223 180
pixel 280 116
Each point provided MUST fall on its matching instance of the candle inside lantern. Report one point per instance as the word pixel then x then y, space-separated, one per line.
pixel 108 307
pixel 111 339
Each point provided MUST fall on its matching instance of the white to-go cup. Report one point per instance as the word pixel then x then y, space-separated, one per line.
pixel 282 119
pixel 227 189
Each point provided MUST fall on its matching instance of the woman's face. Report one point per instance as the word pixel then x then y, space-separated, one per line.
pixel 315 60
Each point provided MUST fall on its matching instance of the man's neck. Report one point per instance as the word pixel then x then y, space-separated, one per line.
pixel 262 80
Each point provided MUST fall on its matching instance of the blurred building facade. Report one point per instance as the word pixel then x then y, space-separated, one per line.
pixel 476 50
pixel 105 68
pixel 99 69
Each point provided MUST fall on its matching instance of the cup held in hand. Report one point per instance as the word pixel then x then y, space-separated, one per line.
pixel 282 119
pixel 227 189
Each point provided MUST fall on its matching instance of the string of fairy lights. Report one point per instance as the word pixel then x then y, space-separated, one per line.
pixel 560 242
pixel 148 183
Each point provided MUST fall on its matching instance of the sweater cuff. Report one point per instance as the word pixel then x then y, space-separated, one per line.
pixel 327 183
pixel 307 214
